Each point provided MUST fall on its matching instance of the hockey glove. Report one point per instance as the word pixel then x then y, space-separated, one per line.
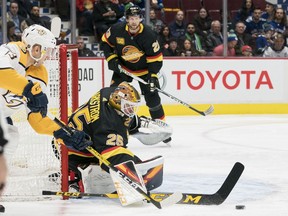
pixel 153 82
pixel 78 140
pixel 113 64
pixel 37 101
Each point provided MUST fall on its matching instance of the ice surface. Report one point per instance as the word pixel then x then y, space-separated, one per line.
pixel 203 151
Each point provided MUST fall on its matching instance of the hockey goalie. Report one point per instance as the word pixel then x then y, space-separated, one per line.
pixel 109 118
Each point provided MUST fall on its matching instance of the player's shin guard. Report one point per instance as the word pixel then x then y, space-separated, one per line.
pixel 157 112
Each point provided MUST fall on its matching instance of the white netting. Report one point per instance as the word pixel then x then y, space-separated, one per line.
pixel 34 166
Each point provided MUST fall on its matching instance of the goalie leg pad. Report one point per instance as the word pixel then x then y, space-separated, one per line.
pixel 125 189
pixel 152 172
pixel 96 180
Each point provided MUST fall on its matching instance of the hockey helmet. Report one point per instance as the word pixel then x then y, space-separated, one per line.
pixel 125 98
pixel 132 11
pixel 39 35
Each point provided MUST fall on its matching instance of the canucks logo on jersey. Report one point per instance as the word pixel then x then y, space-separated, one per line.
pixel 131 54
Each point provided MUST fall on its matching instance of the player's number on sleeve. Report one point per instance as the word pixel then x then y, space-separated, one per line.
pixel 156 46
pixel 11 55
pixel 114 140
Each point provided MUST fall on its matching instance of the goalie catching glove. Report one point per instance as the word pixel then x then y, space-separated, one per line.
pixel 37 101
pixel 151 131
pixel 78 140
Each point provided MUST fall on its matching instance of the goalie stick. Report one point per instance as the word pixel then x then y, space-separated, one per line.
pixel 172 199
pixel 204 113
pixel 187 198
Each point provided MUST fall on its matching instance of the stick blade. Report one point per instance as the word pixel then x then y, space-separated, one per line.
pixel 209 110
pixel 230 181
pixel 56 26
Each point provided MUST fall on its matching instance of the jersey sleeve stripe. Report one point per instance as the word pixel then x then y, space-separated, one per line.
pixel 111 57
pixel 105 39
pixel 158 57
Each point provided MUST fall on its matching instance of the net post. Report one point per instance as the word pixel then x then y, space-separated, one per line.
pixel 75 99
pixel 64 77
pixel 63 83
pixel 64 170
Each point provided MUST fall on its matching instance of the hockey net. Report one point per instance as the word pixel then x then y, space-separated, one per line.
pixel 36 166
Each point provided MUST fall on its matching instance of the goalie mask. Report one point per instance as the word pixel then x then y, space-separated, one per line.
pixel 125 98
pixel 38 35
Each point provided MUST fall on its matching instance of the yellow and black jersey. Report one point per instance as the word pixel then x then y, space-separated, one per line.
pixel 14 76
pixel 101 121
pixel 137 53
pixel 13 60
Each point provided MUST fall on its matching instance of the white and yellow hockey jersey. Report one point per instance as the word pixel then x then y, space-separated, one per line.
pixel 14 76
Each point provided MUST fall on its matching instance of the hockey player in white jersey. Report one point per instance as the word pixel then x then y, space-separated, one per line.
pixel 23 82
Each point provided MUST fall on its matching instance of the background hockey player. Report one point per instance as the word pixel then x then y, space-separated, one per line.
pixel 108 117
pixel 133 46
pixel 23 81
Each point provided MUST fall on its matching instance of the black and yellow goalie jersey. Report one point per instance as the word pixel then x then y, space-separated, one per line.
pixel 101 121
pixel 139 53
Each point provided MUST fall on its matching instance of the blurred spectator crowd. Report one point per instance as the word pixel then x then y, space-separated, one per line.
pixel 183 27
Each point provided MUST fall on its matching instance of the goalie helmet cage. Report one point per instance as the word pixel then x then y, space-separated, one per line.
pixel 37 163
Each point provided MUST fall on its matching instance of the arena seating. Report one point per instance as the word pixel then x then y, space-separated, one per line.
pixel 260 3
pixel 171 4
pixel 190 4
pixel 191 7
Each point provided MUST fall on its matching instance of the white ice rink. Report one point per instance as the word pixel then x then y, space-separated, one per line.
pixel 203 151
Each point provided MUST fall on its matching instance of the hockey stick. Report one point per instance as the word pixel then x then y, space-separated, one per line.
pixel 56 26
pixel 173 198
pixel 204 113
pixel 187 198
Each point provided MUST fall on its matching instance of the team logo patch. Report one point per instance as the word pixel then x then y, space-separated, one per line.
pixel 120 40
pixel 41 32
pixel 131 54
